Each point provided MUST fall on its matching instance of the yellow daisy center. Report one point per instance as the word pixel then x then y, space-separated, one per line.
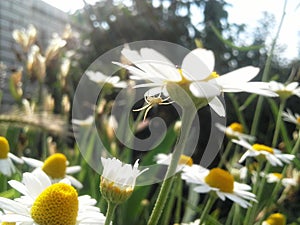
pixel 4 148
pixel 185 81
pixel 57 204
pixel 276 219
pixel 55 166
pixel 259 147
pixel 219 178
pixel 236 127
pixel 185 160
pixel 277 175
pixel 298 120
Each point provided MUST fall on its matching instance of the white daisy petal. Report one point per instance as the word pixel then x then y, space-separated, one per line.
pixel 241 75
pixel 217 106
pixel 204 90
pixel 33 162
pixel 194 67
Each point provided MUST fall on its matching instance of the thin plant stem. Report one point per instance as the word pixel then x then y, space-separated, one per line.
pixel 278 122
pixel 179 198
pixel 265 75
pixel 236 107
pixel 187 120
pixel 251 213
pixel 110 213
pixel 229 219
pixel 278 184
pixel 211 200
pixel 224 156
pixel 255 190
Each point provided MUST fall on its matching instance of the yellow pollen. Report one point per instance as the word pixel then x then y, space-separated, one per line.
pixel 185 160
pixel 8 223
pixel 4 148
pixel 259 147
pixel 57 204
pixel 298 120
pixel 278 175
pixel 276 219
pixel 219 178
pixel 236 127
pixel 55 166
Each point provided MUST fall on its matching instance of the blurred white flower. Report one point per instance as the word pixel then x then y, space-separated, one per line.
pixel 6 165
pixel 290 117
pixel 165 159
pixel 219 181
pixel 273 155
pixel 285 90
pixel 196 222
pixel 278 177
pixel 102 79
pixel 25 37
pixel 44 203
pixel 235 131
pixel 85 122
pixel 55 166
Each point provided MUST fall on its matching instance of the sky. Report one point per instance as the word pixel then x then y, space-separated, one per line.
pixel 242 11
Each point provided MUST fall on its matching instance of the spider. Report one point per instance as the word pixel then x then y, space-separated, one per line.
pixel 153 101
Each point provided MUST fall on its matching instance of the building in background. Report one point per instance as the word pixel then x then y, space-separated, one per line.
pixel 18 14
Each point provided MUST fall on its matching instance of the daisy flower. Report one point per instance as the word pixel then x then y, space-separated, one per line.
pixel 196 75
pixel 219 181
pixel 275 219
pixel 273 155
pixel 290 117
pixel 6 166
pixel 278 177
pixel 44 203
pixel 100 78
pixel 234 131
pixel 55 166
pixel 285 90
pixel 118 179
pixel 165 159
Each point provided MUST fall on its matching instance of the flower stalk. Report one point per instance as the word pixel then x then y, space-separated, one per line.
pixel 110 212
pixel 187 119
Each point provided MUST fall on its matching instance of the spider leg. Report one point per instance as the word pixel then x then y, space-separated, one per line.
pixel 166 103
pixel 147 110
pixel 140 109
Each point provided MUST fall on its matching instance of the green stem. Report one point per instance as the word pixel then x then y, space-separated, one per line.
pixel 238 112
pixel 179 199
pixel 187 119
pixel 207 208
pixel 265 75
pixel 110 213
pixel 259 188
pixel 225 154
pixel 255 190
pixel 278 122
